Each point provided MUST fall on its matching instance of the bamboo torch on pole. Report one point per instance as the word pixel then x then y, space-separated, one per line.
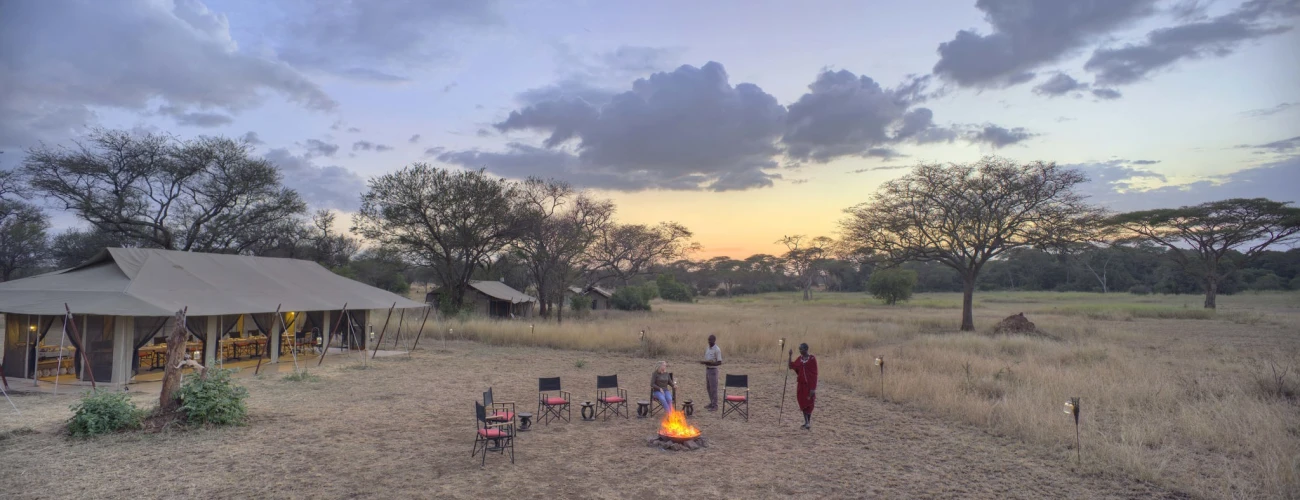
pixel 1072 408
pixel 880 361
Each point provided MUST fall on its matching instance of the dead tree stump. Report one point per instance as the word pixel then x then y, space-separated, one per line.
pixel 175 359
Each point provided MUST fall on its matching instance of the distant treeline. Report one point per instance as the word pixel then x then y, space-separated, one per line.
pixel 1141 269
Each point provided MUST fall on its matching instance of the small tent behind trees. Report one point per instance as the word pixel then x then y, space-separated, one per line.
pixel 122 299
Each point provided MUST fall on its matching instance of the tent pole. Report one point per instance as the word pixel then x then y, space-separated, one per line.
pixel 6 393
pixel 260 355
pixel 292 350
pixel 397 339
pixel 58 367
pixel 82 342
pixel 4 382
pixel 29 348
pixel 329 338
pixel 382 330
pixel 423 321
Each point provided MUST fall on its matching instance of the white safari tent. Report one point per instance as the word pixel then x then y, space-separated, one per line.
pixel 124 301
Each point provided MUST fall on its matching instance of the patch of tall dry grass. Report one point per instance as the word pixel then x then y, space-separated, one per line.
pixel 1193 414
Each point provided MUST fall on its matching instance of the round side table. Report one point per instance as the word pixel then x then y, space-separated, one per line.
pixel 642 409
pixel 525 421
pixel 588 411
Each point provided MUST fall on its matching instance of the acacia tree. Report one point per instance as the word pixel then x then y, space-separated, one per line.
pixel 558 225
pixel 208 194
pixel 804 257
pixel 623 251
pixel 1200 237
pixel 963 215
pixel 450 222
pixel 22 229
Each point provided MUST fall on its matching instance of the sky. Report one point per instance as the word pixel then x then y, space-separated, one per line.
pixel 743 120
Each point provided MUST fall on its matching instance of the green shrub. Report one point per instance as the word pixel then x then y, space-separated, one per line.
pixel 892 285
pixel 579 304
pixel 631 298
pixel 670 289
pixel 214 399
pixel 102 412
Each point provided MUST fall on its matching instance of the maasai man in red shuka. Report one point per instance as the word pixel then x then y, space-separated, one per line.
pixel 805 367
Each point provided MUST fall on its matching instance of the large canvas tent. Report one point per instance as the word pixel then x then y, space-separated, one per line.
pixel 124 296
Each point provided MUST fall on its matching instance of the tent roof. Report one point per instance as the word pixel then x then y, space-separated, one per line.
pixel 598 290
pixel 153 282
pixel 501 291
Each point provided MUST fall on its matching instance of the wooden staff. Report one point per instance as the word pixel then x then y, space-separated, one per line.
pixel 330 336
pixel 76 335
pixel 382 330
pixel 423 321
pixel 268 342
pixel 780 412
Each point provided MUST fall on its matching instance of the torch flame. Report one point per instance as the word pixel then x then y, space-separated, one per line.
pixel 674 425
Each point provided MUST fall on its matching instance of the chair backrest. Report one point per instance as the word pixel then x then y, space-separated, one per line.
pixel 606 381
pixel 737 380
pixel 487 398
pixel 479 412
pixel 548 384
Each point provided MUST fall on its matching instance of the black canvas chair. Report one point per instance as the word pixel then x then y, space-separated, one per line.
pixel 498 411
pixel 610 397
pixel 737 401
pixel 655 405
pixel 552 402
pixel 491 436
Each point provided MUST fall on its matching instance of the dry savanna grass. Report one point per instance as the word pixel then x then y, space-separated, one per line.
pixel 1176 401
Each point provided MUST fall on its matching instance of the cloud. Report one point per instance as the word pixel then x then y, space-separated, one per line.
pixel 414 139
pixel 1258 113
pixel 1281 146
pixel 685 129
pixel 1106 94
pixel 128 55
pixel 354 130
pixel 799 181
pixel 1214 37
pixel 844 114
pixel 252 138
pixel 1275 180
pixel 1029 34
pixel 376 41
pixel 195 119
pixel 1145 162
pixel 597 78
pixel 435 151
pixel 1059 85
pixel 873 169
pixel 317 147
pixel 320 186
pixel 996 136
pixel 369 146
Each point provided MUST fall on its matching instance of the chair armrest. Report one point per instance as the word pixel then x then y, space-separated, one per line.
pixel 567 396
pixel 499 424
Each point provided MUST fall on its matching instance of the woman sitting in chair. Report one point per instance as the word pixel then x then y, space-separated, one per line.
pixel 661 386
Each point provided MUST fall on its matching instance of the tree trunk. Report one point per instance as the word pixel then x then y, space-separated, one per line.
pixel 172 372
pixel 967 300
pixel 1211 290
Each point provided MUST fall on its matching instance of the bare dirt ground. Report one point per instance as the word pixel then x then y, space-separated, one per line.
pixel 402 429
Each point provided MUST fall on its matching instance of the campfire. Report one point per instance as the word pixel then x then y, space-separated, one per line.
pixel 676 434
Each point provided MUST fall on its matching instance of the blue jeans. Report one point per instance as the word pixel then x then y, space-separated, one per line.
pixel 665 398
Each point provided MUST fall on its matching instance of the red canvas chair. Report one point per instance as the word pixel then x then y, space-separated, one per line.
pixel 552 402
pixel 734 402
pixel 492 436
pixel 607 401
pixel 498 411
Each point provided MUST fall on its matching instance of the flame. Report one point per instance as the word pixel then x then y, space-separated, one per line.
pixel 674 425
